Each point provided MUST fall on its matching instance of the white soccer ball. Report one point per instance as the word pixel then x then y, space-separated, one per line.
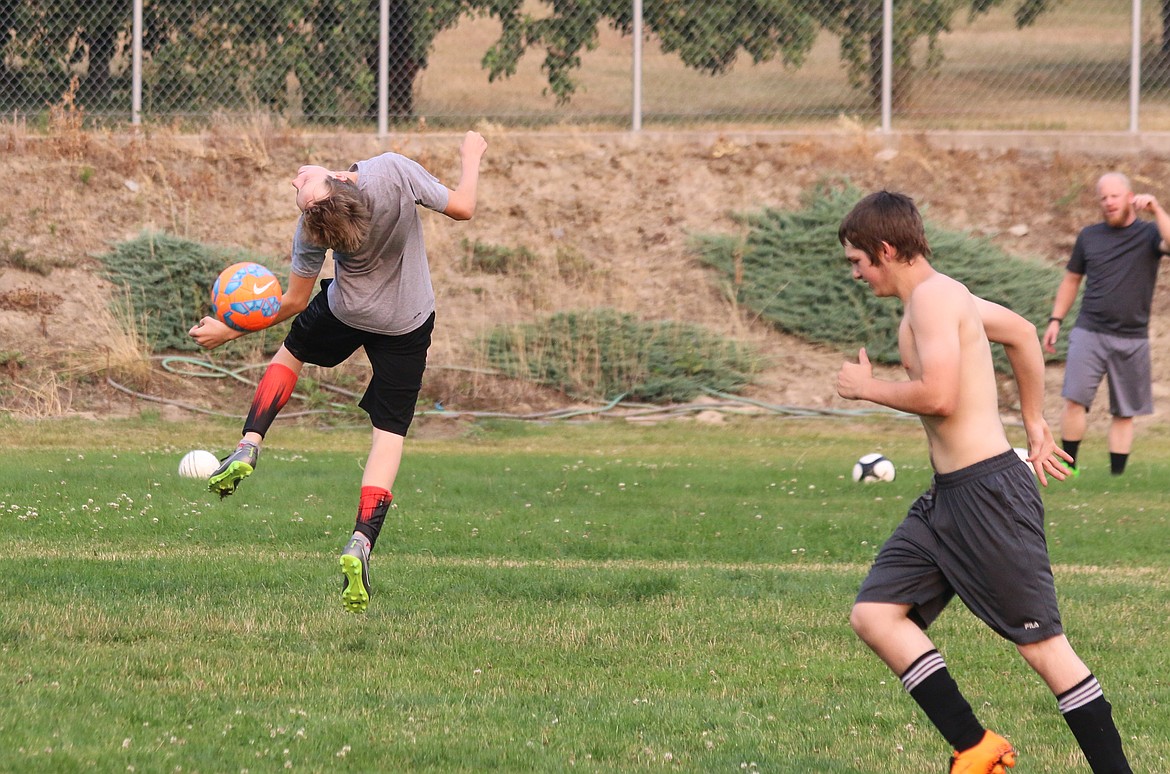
pixel 198 464
pixel 1021 453
pixel 873 467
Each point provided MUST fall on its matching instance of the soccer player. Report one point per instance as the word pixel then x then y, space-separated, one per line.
pixel 1118 259
pixel 380 299
pixel 979 531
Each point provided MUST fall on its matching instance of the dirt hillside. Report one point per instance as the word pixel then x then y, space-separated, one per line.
pixel 620 206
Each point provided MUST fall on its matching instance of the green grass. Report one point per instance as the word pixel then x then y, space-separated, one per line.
pixel 546 598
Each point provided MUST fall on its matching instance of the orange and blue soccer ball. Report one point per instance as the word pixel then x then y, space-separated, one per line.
pixel 246 296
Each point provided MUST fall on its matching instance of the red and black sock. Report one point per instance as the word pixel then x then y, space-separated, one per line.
pixel 372 508
pixel 274 390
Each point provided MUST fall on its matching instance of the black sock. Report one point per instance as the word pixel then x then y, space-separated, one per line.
pixel 1117 463
pixel 931 685
pixel 1072 447
pixel 1090 718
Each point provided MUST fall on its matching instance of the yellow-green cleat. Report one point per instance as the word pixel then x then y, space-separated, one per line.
pixel 235 468
pixel 355 571
pixel 1073 470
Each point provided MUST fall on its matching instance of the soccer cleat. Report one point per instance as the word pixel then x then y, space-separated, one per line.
pixel 1073 470
pixel 993 755
pixel 235 468
pixel 355 571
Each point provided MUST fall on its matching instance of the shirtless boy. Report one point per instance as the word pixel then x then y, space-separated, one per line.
pixel 979 531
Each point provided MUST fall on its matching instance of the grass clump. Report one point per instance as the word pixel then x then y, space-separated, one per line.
pixel 487 258
pixel 168 281
pixel 789 269
pixel 605 353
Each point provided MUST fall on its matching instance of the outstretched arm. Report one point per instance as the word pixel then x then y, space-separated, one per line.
pixel 1018 337
pixel 461 202
pixel 210 332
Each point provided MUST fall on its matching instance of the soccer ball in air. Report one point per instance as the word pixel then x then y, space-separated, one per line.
pixel 198 464
pixel 873 467
pixel 246 296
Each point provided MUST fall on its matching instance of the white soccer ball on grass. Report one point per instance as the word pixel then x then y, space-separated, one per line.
pixel 198 464
pixel 873 467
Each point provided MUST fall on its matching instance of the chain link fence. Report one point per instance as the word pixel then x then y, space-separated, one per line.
pixel 1020 65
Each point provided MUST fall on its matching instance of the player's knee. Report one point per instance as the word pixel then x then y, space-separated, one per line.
pixel 862 619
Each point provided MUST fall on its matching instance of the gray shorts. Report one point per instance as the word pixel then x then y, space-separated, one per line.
pixel 978 533
pixel 1125 361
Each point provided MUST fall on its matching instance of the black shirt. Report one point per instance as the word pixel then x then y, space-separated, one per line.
pixel 1120 266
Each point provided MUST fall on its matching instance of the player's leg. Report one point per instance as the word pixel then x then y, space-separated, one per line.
pixel 373 505
pixel 1081 701
pixel 1130 394
pixel 272 393
pixel 1120 443
pixel 398 363
pixel 904 647
pixel 1084 369
pixel 907 569
pixel 1073 423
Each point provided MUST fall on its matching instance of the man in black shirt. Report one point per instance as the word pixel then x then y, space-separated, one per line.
pixel 1119 259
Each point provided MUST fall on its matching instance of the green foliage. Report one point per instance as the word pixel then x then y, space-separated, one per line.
pixel 609 354
pixel 588 597
pixel 318 57
pixel 790 270
pixel 167 281
pixel 859 25
pixel 11 359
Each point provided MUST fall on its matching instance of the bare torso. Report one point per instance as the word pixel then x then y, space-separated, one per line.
pixel 973 431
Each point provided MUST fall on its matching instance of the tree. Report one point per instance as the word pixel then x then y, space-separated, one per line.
pixel 320 57
pixel 708 35
pixel 859 25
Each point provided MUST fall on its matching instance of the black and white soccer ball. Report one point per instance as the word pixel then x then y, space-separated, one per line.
pixel 873 467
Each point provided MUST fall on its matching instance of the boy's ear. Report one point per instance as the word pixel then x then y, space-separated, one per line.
pixel 888 252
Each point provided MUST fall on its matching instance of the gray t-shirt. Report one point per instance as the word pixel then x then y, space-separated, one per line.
pixel 1120 266
pixel 384 287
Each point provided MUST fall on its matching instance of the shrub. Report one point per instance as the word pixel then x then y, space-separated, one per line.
pixel 168 283
pixel 790 270
pixel 604 353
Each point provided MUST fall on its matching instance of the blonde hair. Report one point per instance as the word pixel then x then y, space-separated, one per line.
pixel 340 220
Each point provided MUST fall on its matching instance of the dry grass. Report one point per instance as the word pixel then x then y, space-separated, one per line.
pixel 117 347
pixel 66 124
pixel 40 394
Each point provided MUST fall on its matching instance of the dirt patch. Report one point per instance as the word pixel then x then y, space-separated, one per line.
pixel 607 217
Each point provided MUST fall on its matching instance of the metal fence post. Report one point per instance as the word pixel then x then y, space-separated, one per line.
pixel 636 108
pixel 383 67
pixel 1135 67
pixel 887 63
pixel 136 66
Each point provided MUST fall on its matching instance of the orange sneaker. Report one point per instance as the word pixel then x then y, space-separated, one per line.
pixel 993 755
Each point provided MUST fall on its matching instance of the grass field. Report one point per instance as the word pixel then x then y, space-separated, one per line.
pixel 593 597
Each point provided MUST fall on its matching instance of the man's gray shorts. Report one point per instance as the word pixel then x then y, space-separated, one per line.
pixel 1125 361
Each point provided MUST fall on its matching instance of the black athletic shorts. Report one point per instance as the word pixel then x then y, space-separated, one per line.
pixel 978 533
pixel 398 362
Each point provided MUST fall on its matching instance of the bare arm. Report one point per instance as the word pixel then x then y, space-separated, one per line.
pixel 461 202
pixel 933 387
pixel 1066 294
pixel 1149 203
pixel 210 332
pixel 1018 337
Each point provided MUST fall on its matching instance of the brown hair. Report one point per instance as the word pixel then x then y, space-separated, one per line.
pixel 885 217
pixel 340 220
